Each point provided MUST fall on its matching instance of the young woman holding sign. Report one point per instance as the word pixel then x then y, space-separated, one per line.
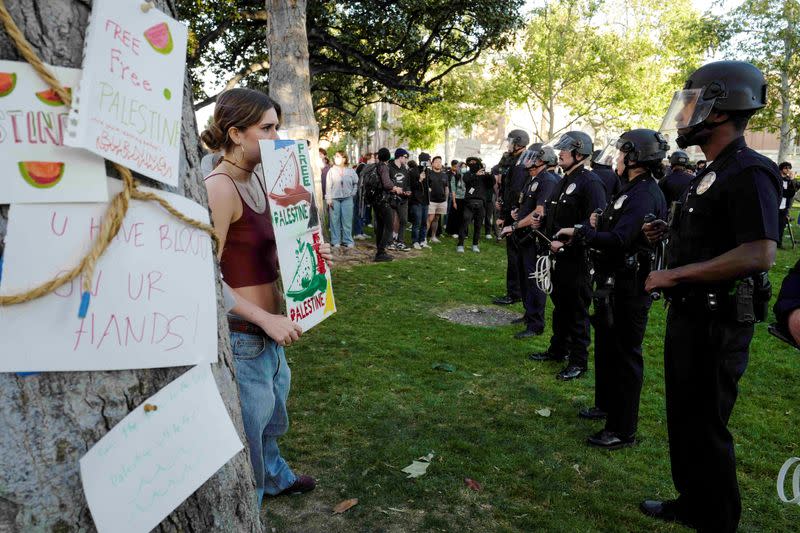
pixel 249 262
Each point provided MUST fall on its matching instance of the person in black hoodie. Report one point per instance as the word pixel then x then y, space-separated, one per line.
pixel 383 210
pixel 419 200
pixel 789 189
pixel 476 181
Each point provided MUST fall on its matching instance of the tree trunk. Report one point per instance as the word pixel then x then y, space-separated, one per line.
pixel 50 420
pixel 788 53
pixel 290 77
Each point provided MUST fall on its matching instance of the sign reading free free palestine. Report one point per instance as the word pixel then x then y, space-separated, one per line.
pixel 129 105
pixel 306 279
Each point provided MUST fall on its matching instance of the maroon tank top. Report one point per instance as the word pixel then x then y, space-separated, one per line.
pixel 250 256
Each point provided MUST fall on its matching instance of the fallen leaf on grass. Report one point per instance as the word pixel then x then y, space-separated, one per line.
pixel 545 412
pixel 472 484
pixel 419 467
pixel 345 505
pixel 446 367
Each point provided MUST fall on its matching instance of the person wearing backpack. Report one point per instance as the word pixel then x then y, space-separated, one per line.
pixel 378 188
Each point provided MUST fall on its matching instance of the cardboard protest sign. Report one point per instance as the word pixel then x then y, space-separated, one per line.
pixel 153 297
pixel 149 463
pixel 306 279
pixel 129 105
pixel 466 148
pixel 35 166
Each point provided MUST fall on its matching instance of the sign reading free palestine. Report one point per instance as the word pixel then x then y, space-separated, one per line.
pixel 306 279
pixel 129 106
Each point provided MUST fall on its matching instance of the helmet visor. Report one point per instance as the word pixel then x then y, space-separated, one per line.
pixel 528 158
pixel 608 156
pixel 686 110
pixel 565 143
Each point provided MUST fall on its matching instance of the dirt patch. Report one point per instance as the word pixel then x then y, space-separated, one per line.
pixel 486 316
pixel 364 252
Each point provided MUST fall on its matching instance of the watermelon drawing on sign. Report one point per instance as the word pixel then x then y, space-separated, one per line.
pixel 41 174
pixel 50 97
pixel 289 189
pixel 159 38
pixel 307 280
pixel 8 80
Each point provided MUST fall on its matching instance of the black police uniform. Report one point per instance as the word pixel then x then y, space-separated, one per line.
pixel 610 180
pixel 621 258
pixel 536 192
pixel 732 201
pixel 787 302
pixel 513 180
pixel 474 209
pixel 673 185
pixel 574 198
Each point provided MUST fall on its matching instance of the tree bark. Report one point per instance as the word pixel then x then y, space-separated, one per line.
pixel 50 420
pixel 290 78
pixel 788 53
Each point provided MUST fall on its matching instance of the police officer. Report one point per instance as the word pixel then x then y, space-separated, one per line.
pixel 677 181
pixel 721 241
pixel 538 161
pixel 574 199
pixel 602 167
pixel 621 258
pixel 513 178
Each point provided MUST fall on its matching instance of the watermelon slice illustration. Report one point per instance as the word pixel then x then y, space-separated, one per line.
pixel 8 80
pixel 41 174
pixel 50 97
pixel 159 38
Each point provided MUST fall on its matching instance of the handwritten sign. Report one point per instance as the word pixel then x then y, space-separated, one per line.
pixel 154 459
pixel 466 148
pixel 35 166
pixel 306 279
pixel 129 104
pixel 153 297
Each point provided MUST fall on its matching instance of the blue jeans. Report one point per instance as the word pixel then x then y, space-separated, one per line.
pixel 358 220
pixel 341 216
pixel 419 222
pixel 264 379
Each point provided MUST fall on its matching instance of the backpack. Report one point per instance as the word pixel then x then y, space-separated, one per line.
pixel 371 186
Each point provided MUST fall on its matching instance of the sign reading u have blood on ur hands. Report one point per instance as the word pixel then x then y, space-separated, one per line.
pixel 35 166
pixel 128 108
pixel 150 462
pixel 153 293
pixel 307 285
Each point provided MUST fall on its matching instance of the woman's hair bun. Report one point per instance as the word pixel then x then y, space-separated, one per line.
pixel 213 137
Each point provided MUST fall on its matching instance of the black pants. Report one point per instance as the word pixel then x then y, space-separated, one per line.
pixel 383 225
pixel 571 296
pixel 402 216
pixel 489 217
pixel 474 212
pixel 515 270
pixel 782 221
pixel 454 217
pixel 534 298
pixel 619 367
pixel 705 355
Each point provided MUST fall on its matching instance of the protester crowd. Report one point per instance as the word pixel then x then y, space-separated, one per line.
pixel 610 229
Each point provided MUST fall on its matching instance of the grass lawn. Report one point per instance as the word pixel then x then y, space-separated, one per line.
pixel 365 403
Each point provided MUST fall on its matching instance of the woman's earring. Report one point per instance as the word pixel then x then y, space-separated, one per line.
pixel 239 159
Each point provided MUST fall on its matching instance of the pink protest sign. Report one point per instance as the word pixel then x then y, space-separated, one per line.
pixel 129 105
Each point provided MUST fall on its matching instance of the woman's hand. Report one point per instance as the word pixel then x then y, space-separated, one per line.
pixel 326 253
pixel 282 330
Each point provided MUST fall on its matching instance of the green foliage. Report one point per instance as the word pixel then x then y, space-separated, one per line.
pixel 360 52
pixel 765 32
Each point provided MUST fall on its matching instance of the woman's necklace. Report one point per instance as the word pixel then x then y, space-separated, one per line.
pixel 250 190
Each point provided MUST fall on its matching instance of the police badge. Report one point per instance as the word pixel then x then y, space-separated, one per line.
pixel 620 201
pixel 706 182
pixel 571 188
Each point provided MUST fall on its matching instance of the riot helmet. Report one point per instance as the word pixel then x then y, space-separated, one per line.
pixel 733 86
pixel 575 141
pixel 518 139
pixel 600 162
pixel 548 156
pixel 639 146
pixel 679 158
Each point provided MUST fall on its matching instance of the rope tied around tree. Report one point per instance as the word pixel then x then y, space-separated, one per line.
pixel 117 207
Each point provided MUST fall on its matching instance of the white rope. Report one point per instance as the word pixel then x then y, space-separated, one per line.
pixel 541 274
